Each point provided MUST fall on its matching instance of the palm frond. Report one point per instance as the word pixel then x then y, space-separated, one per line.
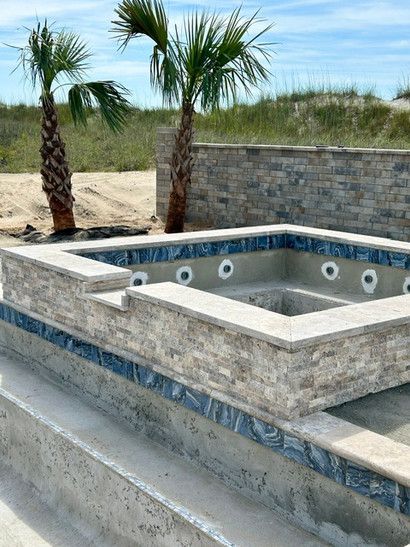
pixel 202 33
pixel 110 98
pixel 70 55
pixel 50 54
pixel 36 57
pixel 138 18
pixel 209 60
pixel 245 60
pixel 142 18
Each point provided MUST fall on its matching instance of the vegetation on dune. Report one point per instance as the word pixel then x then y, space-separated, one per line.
pixel 403 89
pixel 303 118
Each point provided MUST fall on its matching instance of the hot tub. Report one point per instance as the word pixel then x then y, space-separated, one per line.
pixel 274 321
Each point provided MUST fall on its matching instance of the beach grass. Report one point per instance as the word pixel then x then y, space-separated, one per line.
pixel 403 89
pixel 305 116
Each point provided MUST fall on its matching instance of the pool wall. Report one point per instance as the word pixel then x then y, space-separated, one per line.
pixel 260 362
pixel 356 190
pixel 296 469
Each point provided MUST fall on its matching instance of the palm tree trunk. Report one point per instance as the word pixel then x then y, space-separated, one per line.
pixel 55 173
pixel 181 170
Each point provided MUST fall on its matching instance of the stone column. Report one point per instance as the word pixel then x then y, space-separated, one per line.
pixel 165 143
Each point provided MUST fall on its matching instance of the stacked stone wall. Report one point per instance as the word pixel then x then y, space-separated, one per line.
pixel 354 190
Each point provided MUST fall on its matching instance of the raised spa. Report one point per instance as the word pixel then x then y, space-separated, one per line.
pixel 330 321
pixel 286 274
pixel 158 331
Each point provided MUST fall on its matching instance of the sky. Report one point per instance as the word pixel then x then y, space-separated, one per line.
pixel 330 42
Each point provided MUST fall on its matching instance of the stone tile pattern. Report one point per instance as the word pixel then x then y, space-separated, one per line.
pixel 254 375
pixel 358 191
pixel 196 352
pixel 358 478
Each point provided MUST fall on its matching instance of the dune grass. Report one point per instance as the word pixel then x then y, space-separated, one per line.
pixel 403 89
pixel 301 117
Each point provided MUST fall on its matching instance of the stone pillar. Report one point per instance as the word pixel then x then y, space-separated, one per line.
pixel 165 143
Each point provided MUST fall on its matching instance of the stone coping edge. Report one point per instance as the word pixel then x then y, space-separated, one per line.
pixel 318 148
pixel 138 242
pixel 291 333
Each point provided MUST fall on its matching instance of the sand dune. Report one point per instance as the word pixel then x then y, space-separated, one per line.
pixel 101 199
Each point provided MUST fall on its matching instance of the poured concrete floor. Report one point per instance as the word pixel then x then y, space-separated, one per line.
pixel 25 520
pixel 386 413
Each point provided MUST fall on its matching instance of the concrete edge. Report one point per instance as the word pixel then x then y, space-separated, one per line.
pixel 142 241
pixel 224 312
pixel 181 512
pixel 67 264
pixel 321 148
pixel 371 450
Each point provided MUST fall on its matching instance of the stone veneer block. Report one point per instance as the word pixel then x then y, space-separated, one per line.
pixel 357 190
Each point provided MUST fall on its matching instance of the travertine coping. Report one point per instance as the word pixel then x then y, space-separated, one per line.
pixel 290 333
pixel 136 242
pixel 318 148
pixel 380 454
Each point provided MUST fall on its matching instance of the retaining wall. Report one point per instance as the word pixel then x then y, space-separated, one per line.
pixel 355 190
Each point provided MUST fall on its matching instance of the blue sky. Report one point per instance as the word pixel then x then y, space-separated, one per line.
pixel 334 41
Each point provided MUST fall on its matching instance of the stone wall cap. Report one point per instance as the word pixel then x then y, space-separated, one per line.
pixel 380 454
pixel 315 149
pixel 67 258
pixel 290 333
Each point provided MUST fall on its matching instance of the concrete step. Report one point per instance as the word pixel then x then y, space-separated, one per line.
pixel 101 474
pixel 25 520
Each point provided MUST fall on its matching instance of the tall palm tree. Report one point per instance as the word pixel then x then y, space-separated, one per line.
pixel 50 60
pixel 203 64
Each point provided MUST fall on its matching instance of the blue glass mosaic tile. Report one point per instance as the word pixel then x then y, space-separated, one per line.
pixel 117 364
pixel 398 260
pixel 277 241
pixel 403 500
pixel 251 244
pixel 295 449
pixel 342 471
pixel 262 243
pixel 266 434
pixel 328 464
pixel 358 478
pixel 384 491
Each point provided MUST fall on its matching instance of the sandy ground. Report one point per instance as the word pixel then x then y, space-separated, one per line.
pixel 101 199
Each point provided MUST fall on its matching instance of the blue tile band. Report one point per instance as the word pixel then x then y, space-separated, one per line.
pixel 357 478
pixel 129 257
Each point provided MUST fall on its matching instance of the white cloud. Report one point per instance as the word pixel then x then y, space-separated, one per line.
pixel 359 41
pixel 19 11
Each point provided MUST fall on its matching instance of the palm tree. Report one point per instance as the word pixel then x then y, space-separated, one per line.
pixel 49 60
pixel 204 64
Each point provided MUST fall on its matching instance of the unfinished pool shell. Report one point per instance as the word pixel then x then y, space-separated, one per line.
pixel 253 329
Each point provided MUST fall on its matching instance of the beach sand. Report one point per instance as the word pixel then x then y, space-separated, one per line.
pixel 102 199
